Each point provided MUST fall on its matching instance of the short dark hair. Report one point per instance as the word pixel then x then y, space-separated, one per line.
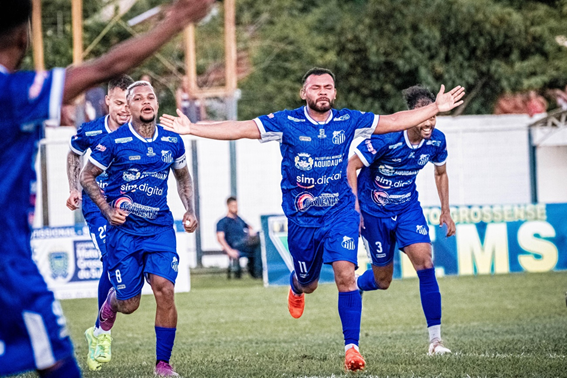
pixel 14 13
pixel 318 71
pixel 122 82
pixel 139 83
pixel 416 94
pixel 230 199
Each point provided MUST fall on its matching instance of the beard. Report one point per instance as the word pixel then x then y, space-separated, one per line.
pixel 148 119
pixel 314 104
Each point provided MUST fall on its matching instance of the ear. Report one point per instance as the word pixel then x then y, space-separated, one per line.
pixel 302 94
pixel 107 100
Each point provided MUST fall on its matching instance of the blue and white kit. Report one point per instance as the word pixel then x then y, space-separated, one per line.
pixel 315 190
pixel 33 333
pixel 387 191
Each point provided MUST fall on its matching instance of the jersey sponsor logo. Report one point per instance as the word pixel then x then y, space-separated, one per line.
pixel 100 148
pixel 151 152
pixel 321 134
pixel 156 175
pixel 37 85
pixel 386 170
pixel 411 155
pixel 433 142
pixel 304 201
pixel 394 146
pixel 295 119
pixel 123 140
pixel 381 198
pixel 342 118
pixel 328 161
pixel 131 175
pixel 385 183
pixel 370 147
pixel 170 139
pixel 166 156
pixel 175 264
pixel 303 161
pixel 423 159
pixel 396 160
pixel 305 138
pixel 348 243
pixel 134 157
pixel 93 133
pixel 339 137
pixel 310 182
pixel 421 229
pixel 130 207
pixel 145 188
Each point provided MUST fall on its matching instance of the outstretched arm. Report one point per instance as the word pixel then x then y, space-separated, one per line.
pixel 409 118
pixel 354 164
pixel 442 183
pixel 73 171
pixel 185 190
pixel 228 130
pixel 134 51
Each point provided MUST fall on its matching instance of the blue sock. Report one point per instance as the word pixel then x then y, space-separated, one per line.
pixel 292 283
pixel 165 338
pixel 430 296
pixel 367 282
pixel 68 369
pixel 103 286
pixel 350 311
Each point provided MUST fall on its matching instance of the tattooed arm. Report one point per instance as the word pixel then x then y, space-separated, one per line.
pixel 73 170
pixel 185 190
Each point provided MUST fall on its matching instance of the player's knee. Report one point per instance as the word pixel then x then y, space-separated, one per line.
pixel 308 289
pixel 129 306
pixel 383 282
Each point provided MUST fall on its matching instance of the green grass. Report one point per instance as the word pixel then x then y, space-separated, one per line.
pixel 497 326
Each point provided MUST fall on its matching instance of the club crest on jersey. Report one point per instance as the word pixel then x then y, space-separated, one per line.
pixel 348 243
pixel 175 264
pixel 339 137
pixel 151 152
pixel 421 229
pixel 166 156
pixel 423 159
pixel 304 161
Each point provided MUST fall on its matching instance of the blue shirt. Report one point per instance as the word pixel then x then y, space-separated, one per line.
pixel 386 184
pixel 27 99
pixel 89 136
pixel 138 169
pixel 314 160
pixel 235 230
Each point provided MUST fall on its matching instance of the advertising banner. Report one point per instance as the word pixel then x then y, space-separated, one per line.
pixel 491 239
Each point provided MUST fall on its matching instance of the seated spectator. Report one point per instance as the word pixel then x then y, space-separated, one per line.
pixel 239 240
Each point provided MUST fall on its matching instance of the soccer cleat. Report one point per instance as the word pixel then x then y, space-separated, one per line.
pixel 103 352
pixel 353 360
pixel 163 369
pixel 93 364
pixel 106 316
pixel 295 304
pixel 437 348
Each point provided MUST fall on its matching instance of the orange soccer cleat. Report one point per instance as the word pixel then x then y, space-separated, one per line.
pixel 295 304
pixel 353 360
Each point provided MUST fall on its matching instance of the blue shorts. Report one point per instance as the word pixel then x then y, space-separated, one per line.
pixel 33 333
pixel 97 229
pixel 310 247
pixel 381 234
pixel 133 257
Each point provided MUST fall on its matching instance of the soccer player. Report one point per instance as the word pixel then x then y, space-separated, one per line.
pixel 141 238
pixel 33 334
pixel 317 200
pixel 390 210
pixel 88 136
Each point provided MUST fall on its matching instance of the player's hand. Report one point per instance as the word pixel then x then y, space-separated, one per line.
pixel 449 100
pixel 74 199
pixel 180 125
pixel 115 217
pixel 445 219
pixel 188 11
pixel 190 222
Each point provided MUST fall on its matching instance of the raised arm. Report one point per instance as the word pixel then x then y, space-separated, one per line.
pixel 134 51
pixel 354 164
pixel 73 171
pixel 115 217
pixel 442 183
pixel 409 118
pixel 227 130
pixel 186 193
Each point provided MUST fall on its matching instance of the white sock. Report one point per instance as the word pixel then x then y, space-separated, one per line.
pixel 434 332
pixel 348 346
pixel 99 331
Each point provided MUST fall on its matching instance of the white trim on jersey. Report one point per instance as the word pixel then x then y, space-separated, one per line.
pixel 56 94
pixel 408 143
pixel 316 122
pixel 440 164
pixel 106 124
pixel 153 139
pixel 362 158
pixel 267 136
pixel 75 151
pixel 3 69
pixel 366 132
pixel 39 338
pixel 97 163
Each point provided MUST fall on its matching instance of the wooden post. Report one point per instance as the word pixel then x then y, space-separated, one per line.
pixel 37 36
pixel 190 57
pixel 230 45
pixel 77 17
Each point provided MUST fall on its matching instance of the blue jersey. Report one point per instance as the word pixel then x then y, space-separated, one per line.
pixel 89 136
pixel 386 185
pixel 27 99
pixel 138 169
pixel 314 160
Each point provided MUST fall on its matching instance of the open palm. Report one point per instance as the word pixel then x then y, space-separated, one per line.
pixel 449 100
pixel 179 125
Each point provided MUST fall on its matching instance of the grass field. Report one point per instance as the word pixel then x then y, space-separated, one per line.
pixel 497 326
